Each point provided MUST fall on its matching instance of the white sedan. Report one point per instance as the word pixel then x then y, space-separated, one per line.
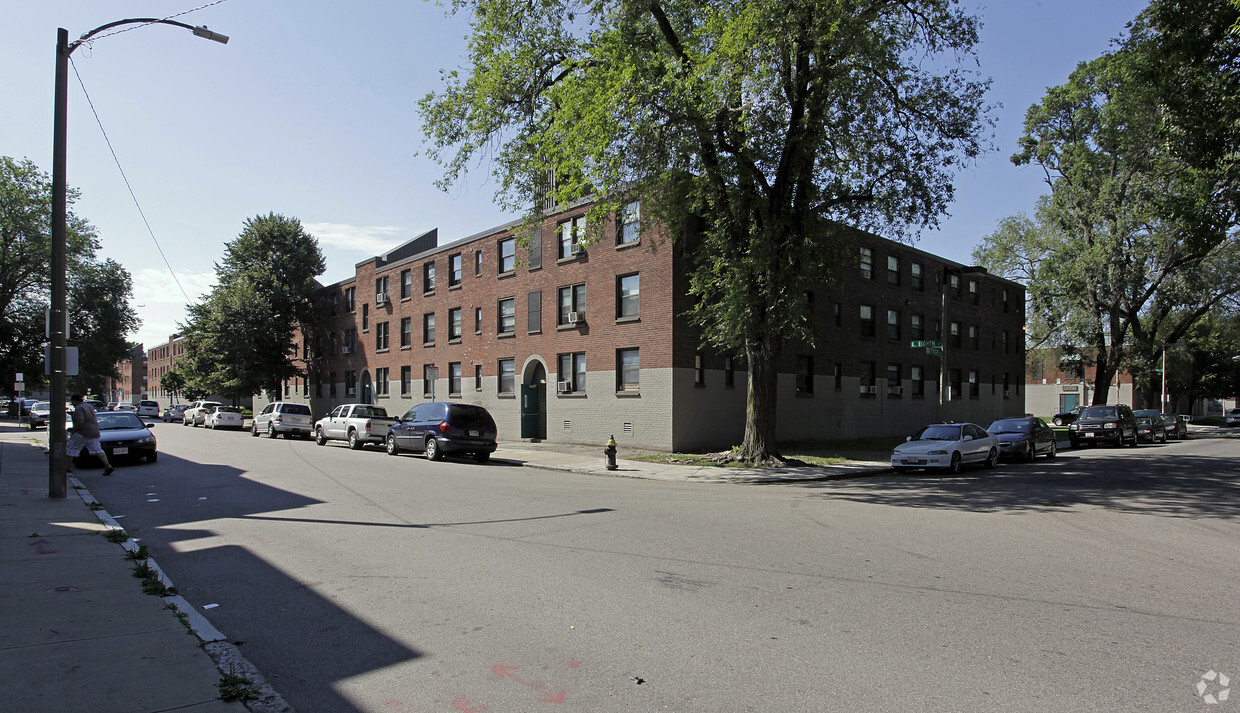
pixel 224 417
pixel 946 445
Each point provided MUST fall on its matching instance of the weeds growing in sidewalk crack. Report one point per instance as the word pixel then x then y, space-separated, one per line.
pixel 115 535
pixel 95 506
pixel 236 688
pixel 139 554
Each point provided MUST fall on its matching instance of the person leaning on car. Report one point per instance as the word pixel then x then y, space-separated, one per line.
pixel 85 435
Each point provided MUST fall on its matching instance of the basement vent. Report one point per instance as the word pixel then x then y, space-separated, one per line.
pixel 628 429
pixel 568 425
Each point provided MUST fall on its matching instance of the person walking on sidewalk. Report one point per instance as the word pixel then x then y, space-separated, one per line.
pixel 85 435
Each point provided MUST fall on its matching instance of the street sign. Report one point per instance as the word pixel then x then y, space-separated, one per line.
pixel 929 343
pixel 934 351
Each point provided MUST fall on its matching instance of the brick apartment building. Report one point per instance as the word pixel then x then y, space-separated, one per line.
pixel 574 344
pixel 159 360
pixel 130 385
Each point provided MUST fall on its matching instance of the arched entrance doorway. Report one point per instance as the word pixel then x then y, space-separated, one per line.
pixel 534 401
pixel 368 388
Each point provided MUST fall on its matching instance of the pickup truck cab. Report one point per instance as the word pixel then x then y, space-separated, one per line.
pixel 358 424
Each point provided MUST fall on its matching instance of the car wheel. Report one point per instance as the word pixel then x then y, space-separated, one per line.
pixel 1051 454
pixel 1032 452
pixel 955 464
pixel 432 449
pixel 482 456
pixel 992 458
pixel 254 430
pixel 1137 441
pixel 271 430
pixel 1164 437
pixel 391 447
pixel 319 438
pixel 1057 421
pixel 354 442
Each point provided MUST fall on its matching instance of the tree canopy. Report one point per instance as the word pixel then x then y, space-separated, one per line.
pixel 239 339
pixel 100 317
pixel 773 122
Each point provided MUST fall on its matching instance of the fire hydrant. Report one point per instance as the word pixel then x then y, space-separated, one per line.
pixel 610 452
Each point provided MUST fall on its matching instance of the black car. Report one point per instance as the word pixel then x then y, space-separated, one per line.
pixel 1112 423
pixel 1067 417
pixel 1025 437
pixel 123 435
pixel 1177 425
pixel 1151 428
pixel 439 428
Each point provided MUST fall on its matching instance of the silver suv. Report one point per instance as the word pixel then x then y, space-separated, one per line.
pixel 283 417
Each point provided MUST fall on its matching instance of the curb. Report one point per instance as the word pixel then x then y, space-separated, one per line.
pixel 228 659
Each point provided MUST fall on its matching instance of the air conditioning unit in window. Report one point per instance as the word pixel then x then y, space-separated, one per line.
pixel 575 249
pixel 346 349
pixel 564 387
pixel 381 298
pixel 869 389
pixel 576 317
pixel 895 390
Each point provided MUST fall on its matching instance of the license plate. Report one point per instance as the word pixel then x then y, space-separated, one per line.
pixel 120 451
pixel 914 461
pixel 474 434
pixel 1089 435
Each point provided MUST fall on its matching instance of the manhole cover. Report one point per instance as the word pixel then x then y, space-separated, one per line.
pixel 62 590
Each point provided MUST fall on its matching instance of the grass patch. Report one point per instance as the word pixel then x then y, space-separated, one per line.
pixel 139 554
pixel 115 535
pixel 236 688
pixel 694 459
pixel 95 506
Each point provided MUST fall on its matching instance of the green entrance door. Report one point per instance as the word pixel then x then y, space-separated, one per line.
pixel 532 400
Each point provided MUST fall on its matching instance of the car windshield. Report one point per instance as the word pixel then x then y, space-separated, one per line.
pixel 1145 420
pixel 42 406
pixel 1100 412
pixel 1168 418
pixel 113 420
pixel 938 433
pixel 1011 425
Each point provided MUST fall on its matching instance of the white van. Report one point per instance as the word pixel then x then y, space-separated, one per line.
pixel 148 409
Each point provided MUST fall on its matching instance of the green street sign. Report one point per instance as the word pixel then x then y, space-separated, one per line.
pixel 934 351
pixel 929 343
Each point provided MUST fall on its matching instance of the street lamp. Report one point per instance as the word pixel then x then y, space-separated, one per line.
pixel 1162 406
pixel 59 277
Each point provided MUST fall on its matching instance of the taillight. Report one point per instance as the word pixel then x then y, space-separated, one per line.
pixel 443 427
pixel 367 424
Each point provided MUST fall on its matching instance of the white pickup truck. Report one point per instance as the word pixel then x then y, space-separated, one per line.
pixel 358 424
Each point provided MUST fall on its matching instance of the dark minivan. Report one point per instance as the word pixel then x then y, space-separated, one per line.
pixel 439 428
pixel 1114 424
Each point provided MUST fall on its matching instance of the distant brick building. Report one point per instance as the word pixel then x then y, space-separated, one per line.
pixel 574 344
pixel 159 360
pixel 1057 382
pixel 130 384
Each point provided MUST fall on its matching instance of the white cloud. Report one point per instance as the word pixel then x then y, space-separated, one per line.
pixel 155 286
pixel 368 239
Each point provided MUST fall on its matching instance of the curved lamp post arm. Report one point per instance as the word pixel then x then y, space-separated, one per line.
pixel 199 31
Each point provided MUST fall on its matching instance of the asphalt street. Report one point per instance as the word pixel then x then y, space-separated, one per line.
pixel 358 582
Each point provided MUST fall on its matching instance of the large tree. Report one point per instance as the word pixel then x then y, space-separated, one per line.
pixel 100 317
pixel 773 122
pixel 239 339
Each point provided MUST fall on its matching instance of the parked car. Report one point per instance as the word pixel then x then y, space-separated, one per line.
pixel 1104 424
pixel 123 435
pixel 358 424
pixel 196 414
pixel 438 428
pixel 1176 425
pixel 147 409
pixel 224 417
pixel 1151 429
pixel 1067 417
pixel 1233 417
pixel 291 419
pixel 40 412
pixel 1024 437
pixel 946 445
pixel 126 406
pixel 175 412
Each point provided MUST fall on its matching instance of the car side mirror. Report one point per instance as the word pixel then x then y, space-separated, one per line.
pixel 967 438
pixel 149 425
pixel 908 438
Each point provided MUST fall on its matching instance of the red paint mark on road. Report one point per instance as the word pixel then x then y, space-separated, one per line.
pixel 43 547
pixel 574 664
pixel 544 697
pixel 394 705
pixel 463 704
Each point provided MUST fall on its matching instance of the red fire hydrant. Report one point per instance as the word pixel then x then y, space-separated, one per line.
pixel 610 452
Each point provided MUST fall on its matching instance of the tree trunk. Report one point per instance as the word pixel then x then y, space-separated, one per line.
pixel 1104 372
pixel 760 402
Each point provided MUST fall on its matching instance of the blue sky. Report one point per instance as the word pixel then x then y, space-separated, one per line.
pixel 309 111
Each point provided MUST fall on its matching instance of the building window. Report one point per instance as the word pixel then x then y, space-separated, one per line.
pixel 916 280
pixel 429 374
pixel 954 329
pixel 350 341
pixel 699 369
pixel 917 378
pixel 381 336
pixel 454 378
pixel 406 284
pixel 366 317
pixel 454 270
pixel 837 375
pixel 893 324
pixel 570 234
pixel 973 293
pixel 628 296
pixel 406 332
pixel 917 326
pixel 571 299
pixel 350 299
pixel 507 316
pixel 454 324
pixel 954 393
pixel 477 377
pixel 893 270
pixel 1038 370
pixel 350 383
pixel 428 277
pixel 335 303
pixel 507 255
pixel 627 370
pixel 839 314
pixel 507 375
pixel 533 312
pixel 1005 301
pixel 1006 346
pixel 894 385
pixel 973 337
pixel 869 378
pixel 630 224
pixel 867 264
pixel 331 383
pixel 477 320
pixel 1006 386
pixel 953 285
pixel 867 320
pixel 477 263
pixel 381 289
pixel 973 386
pixel 805 374
pixel 572 371
pixel 428 328
pixel 381 381
pixel 406 380
pixel 729 371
